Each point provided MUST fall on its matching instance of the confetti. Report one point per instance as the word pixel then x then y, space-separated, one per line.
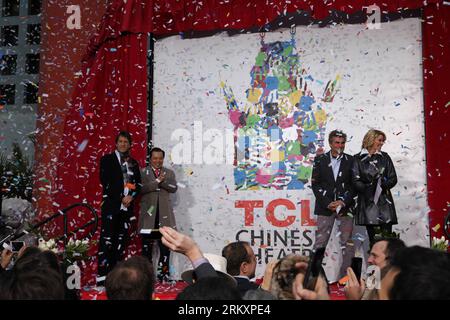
pixel 82 146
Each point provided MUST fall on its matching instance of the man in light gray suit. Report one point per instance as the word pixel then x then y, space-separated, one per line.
pixel 158 183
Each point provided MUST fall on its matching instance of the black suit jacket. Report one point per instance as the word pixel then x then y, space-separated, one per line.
pixel 205 270
pixel 326 189
pixel 112 181
pixel 243 285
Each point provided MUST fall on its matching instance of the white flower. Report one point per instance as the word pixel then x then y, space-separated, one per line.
pixel 77 243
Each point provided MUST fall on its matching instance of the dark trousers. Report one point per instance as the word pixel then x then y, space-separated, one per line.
pixel 373 230
pixel 345 227
pixel 113 238
pixel 164 252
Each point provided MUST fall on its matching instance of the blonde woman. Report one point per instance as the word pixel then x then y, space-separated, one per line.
pixel 374 176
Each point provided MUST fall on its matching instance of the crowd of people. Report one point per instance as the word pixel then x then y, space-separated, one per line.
pixel 354 190
pixel 407 273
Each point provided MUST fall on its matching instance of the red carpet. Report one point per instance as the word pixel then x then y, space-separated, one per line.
pixel 337 292
pixel 163 291
pixel 169 291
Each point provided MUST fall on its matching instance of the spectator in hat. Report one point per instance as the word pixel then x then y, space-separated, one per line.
pixel 210 288
pixel 181 243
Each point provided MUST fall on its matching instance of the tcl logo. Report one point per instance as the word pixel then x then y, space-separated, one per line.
pixel 304 211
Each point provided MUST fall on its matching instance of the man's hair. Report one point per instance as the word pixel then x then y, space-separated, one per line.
pixel 336 134
pixel 156 149
pixel 124 134
pixel 131 279
pixel 39 283
pixel 424 274
pixel 393 245
pixel 370 136
pixel 34 257
pixel 210 288
pixel 236 253
pixel 27 254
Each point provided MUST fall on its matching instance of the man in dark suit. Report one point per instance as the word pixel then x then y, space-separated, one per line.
pixel 332 186
pixel 241 263
pixel 121 181
pixel 158 183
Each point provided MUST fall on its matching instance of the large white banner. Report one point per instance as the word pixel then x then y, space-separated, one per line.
pixel 241 119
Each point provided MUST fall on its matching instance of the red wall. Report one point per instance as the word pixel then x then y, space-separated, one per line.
pixel 436 74
pixel 61 52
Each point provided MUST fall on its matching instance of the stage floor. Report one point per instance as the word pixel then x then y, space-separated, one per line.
pixel 169 291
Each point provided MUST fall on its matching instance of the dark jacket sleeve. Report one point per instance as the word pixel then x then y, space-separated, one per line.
pixel 105 177
pixel 389 179
pixel 205 270
pixel 319 190
pixel 351 193
pixel 148 185
pixel 169 184
pixel 358 183
pixel 137 179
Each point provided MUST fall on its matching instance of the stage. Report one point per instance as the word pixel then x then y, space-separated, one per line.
pixel 169 291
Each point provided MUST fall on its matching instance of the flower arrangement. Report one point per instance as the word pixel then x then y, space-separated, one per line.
pixel 50 245
pixel 75 250
pixel 439 244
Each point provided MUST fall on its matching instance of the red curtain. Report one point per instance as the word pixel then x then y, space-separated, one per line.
pixel 436 76
pixel 110 96
pixel 164 17
pixel 112 93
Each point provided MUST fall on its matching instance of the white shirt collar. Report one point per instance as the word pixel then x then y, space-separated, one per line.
pixel 339 157
pixel 365 151
pixel 117 155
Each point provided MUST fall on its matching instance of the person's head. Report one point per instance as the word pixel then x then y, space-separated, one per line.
pixel 123 142
pixel 39 283
pixel 373 140
pixel 28 252
pixel 210 288
pixel 337 140
pixel 383 250
pixel 241 260
pixel 157 157
pixel 33 257
pixel 283 276
pixel 131 279
pixel 417 273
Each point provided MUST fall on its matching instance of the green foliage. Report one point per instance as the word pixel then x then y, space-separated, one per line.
pixel 16 174
pixel 383 234
pixel 77 250
pixel 439 244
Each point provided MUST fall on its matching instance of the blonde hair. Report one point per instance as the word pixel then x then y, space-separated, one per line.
pixel 370 136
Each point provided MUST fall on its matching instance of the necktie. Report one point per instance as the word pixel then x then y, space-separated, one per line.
pixel 157 172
